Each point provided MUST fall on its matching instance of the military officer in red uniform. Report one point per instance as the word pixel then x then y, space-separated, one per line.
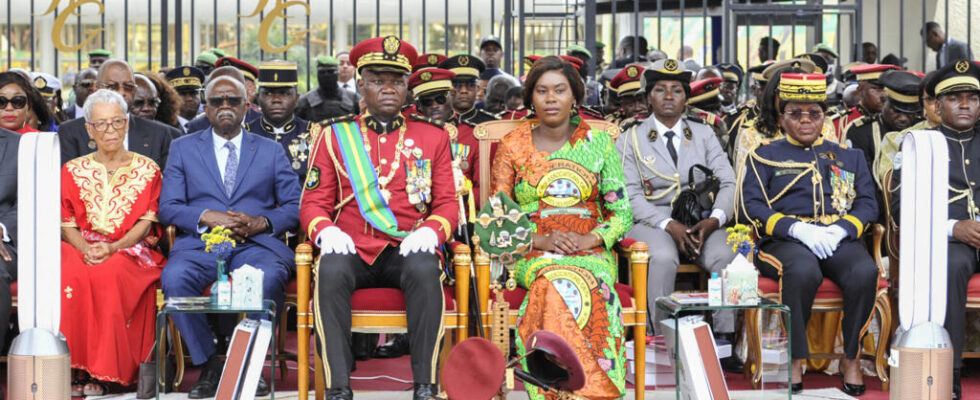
pixel 872 95
pixel 379 199
pixel 633 105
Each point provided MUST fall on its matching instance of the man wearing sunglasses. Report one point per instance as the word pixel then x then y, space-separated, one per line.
pixel 277 99
pixel 201 122
pixel 84 86
pixel 226 176
pixel 387 235
pixel 147 137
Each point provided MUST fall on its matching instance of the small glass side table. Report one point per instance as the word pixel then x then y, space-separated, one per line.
pixel 268 309
pixel 768 365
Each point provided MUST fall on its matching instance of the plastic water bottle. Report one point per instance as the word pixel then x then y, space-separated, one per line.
pixel 714 290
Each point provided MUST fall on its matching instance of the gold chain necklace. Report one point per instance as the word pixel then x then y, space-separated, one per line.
pixel 383 181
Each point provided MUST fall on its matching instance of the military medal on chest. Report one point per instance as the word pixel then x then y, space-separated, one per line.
pixel 842 184
pixel 418 180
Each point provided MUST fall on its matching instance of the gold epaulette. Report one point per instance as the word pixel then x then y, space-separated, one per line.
pixel 420 117
pixel 342 118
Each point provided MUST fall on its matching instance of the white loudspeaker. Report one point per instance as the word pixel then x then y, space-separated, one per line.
pixel 39 366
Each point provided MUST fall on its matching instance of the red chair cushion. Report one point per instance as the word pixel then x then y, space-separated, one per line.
pixel 13 289
pixel 827 290
pixel 516 297
pixel 972 288
pixel 390 300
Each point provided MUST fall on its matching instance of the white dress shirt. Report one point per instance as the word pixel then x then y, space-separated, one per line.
pixel 350 86
pixel 221 152
pixel 678 130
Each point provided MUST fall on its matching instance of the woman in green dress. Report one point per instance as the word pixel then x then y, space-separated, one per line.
pixel 569 180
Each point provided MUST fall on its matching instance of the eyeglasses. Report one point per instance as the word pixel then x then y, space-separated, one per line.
pixel 87 84
pixel 102 126
pixel 460 84
pixel 812 115
pixel 428 101
pixel 154 103
pixel 115 86
pixel 17 102
pixel 233 101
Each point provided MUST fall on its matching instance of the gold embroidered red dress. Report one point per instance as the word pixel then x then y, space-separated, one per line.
pixel 107 309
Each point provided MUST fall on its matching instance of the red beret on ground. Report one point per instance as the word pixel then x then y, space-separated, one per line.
pixel 871 72
pixel 250 71
pixel 428 60
pixel 474 370
pixel 575 61
pixel 388 53
pixel 627 81
pixel 704 89
pixel 430 80
pixel 541 345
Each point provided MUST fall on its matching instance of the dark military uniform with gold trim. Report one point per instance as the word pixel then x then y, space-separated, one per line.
pixel 294 136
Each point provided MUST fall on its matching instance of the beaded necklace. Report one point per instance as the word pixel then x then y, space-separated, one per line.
pixel 383 181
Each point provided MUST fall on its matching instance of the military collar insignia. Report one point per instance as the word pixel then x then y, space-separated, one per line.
pixel 269 127
pixel 382 129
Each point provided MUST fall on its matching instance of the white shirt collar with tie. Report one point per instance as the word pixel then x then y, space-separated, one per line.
pixel 221 152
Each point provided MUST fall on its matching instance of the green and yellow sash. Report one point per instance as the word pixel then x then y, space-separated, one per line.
pixel 364 179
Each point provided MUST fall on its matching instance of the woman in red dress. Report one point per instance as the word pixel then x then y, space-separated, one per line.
pixel 110 270
pixel 22 109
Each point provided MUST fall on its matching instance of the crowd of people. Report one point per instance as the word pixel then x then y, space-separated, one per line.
pixel 366 165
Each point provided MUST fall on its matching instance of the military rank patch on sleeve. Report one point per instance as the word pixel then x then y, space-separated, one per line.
pixel 312 178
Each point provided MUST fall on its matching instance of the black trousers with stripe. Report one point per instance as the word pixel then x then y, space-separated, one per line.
pixel 962 264
pixel 850 267
pixel 418 275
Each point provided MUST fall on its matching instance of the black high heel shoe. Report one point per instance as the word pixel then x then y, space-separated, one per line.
pixel 852 389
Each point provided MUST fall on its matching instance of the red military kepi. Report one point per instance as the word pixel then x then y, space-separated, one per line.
pixel 378 200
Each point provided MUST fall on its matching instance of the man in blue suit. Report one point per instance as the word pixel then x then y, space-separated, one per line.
pixel 226 176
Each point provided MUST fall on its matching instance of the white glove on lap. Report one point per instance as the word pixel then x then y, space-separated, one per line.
pixel 334 241
pixel 811 236
pixel 422 240
pixel 830 237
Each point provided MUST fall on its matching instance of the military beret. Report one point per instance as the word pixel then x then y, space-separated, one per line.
pixel 327 61
pixel 247 69
pixel 825 48
pixel 553 361
pixel 386 53
pixel 206 57
pixel 955 77
pixel 474 370
pixel 218 52
pixel 704 90
pixel 902 90
pixel 578 49
pixel 465 66
pixel 575 61
pixel 100 53
pixel 185 77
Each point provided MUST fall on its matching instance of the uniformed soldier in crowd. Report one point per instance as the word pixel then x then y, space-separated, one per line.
pixel 327 100
pixel 957 90
pixel 732 76
pixel 249 72
pixel 657 156
pixel 97 57
pixel 205 62
pixel 704 105
pixel 428 60
pixel 633 106
pixel 607 96
pixel 745 114
pixel 188 82
pixel 811 200
pixel 902 108
pixel 467 69
pixel 893 140
pixel 277 99
pixel 870 92
pixel 380 219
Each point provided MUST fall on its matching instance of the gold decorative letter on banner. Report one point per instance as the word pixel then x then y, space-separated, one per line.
pixel 279 11
pixel 59 24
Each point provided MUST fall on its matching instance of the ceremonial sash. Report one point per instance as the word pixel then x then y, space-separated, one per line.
pixel 364 179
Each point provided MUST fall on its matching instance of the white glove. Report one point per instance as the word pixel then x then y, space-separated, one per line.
pixel 334 241
pixel 422 240
pixel 810 235
pixel 830 237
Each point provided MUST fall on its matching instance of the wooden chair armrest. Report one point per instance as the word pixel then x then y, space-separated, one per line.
pixel 638 254
pixel 171 236
pixel 878 230
pixel 462 264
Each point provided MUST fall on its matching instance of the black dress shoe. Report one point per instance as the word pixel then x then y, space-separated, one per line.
pixel 732 364
pixel 207 384
pixel 957 388
pixel 396 347
pixel 797 388
pixel 424 391
pixel 362 345
pixel 852 389
pixel 262 389
pixel 339 394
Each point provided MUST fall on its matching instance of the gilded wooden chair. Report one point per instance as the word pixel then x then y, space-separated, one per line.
pixel 375 310
pixel 633 297
pixel 829 298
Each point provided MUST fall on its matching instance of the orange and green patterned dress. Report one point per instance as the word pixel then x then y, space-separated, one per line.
pixel 579 188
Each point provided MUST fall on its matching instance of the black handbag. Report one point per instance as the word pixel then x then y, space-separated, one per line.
pixel 695 203
pixel 146 386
